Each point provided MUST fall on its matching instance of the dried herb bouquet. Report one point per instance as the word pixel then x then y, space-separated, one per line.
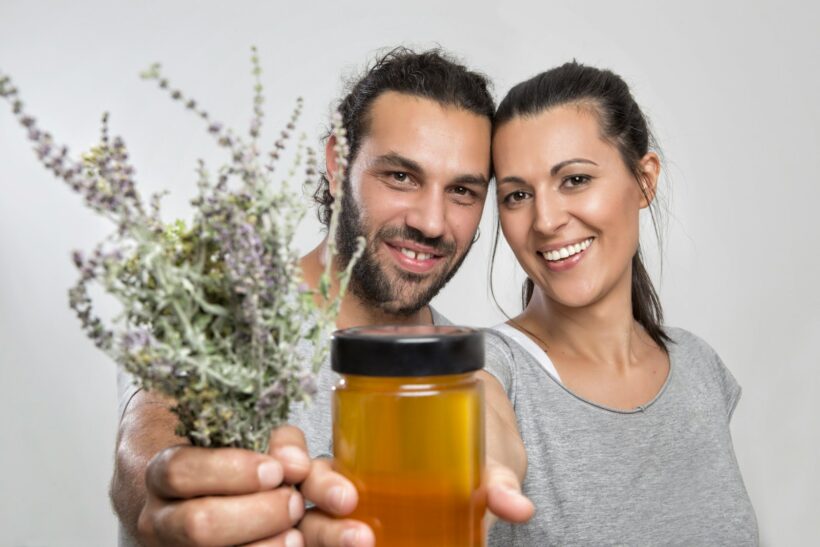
pixel 212 310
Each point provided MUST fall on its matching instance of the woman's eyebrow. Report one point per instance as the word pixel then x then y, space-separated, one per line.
pixel 558 166
pixel 512 179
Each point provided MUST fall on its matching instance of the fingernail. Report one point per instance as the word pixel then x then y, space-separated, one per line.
pixel 295 457
pixel 270 474
pixel 337 497
pixel 296 507
pixel 350 537
pixel 293 539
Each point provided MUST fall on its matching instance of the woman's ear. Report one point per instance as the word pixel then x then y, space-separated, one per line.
pixel 331 164
pixel 650 166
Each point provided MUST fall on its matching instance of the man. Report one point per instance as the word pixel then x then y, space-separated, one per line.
pixel 419 131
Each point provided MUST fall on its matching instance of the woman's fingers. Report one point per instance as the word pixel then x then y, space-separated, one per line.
pixel 504 497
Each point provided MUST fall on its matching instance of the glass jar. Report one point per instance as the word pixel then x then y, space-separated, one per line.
pixel 408 431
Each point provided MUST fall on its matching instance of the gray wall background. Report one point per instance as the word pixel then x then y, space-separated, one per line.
pixel 731 89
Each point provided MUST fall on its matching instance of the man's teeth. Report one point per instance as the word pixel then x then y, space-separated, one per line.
pixel 568 251
pixel 414 255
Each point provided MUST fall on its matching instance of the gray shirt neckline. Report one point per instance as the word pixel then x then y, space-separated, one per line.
pixel 625 411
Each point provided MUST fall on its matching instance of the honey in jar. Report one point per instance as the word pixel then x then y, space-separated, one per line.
pixel 408 431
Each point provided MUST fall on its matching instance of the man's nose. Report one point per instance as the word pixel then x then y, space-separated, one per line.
pixel 427 213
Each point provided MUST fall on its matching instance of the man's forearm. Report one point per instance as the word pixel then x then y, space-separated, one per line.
pixel 147 427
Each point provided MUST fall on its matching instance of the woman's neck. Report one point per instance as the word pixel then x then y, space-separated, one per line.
pixel 602 332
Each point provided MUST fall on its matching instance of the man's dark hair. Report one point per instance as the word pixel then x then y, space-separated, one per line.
pixel 431 74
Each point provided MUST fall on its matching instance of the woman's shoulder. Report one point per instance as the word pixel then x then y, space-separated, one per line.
pixel 506 358
pixel 508 344
pixel 689 346
pixel 697 359
pixel 499 358
pixel 681 336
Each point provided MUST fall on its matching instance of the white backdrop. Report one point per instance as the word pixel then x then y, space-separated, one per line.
pixel 730 88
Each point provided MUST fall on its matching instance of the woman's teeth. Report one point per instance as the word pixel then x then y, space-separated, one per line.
pixel 414 255
pixel 568 251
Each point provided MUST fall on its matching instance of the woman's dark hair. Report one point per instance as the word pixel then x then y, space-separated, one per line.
pixel 624 125
pixel 431 74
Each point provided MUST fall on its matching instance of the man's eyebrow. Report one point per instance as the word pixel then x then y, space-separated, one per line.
pixel 471 180
pixel 406 164
pixel 558 166
pixel 397 160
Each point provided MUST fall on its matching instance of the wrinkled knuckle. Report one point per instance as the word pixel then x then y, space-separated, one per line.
pixel 505 476
pixel 145 524
pixel 295 433
pixel 330 534
pixel 171 472
pixel 196 523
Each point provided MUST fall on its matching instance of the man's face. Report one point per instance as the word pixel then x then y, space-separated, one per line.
pixel 416 192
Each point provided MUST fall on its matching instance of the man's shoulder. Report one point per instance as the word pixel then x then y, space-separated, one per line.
pixel 438 318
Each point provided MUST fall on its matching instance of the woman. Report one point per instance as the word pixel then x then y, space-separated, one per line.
pixel 626 421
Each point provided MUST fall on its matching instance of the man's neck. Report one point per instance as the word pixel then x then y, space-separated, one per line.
pixel 355 312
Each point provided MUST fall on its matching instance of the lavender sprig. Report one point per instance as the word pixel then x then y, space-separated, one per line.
pixel 212 313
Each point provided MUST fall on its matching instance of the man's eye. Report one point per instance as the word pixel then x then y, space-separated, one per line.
pixel 462 191
pixel 399 176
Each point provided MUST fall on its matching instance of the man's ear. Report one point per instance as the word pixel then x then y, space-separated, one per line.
pixel 650 166
pixel 331 165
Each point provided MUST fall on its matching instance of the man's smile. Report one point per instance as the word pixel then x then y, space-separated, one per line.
pixel 414 257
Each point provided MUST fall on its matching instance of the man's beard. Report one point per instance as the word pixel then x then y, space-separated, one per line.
pixel 371 283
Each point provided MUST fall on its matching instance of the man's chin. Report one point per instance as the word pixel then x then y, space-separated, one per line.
pixel 415 291
pixel 400 306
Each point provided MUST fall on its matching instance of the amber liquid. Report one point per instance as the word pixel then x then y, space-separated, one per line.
pixel 414 448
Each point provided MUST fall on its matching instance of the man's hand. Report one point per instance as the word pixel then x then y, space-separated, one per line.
pixel 167 492
pixel 225 496
pixel 334 496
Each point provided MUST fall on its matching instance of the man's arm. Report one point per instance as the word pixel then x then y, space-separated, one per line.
pixel 147 427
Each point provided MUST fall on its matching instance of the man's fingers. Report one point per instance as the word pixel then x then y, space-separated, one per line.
pixel 329 490
pixel 321 530
pixel 291 538
pixel 288 446
pixel 228 520
pixel 188 471
pixel 504 497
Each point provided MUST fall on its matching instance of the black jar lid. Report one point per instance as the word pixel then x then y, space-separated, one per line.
pixel 407 350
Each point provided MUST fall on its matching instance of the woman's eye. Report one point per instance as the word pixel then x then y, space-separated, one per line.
pixel 516 197
pixel 576 180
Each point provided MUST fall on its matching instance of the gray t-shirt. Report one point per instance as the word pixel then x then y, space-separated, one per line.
pixel 662 474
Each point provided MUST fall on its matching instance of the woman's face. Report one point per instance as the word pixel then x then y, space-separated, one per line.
pixel 569 206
